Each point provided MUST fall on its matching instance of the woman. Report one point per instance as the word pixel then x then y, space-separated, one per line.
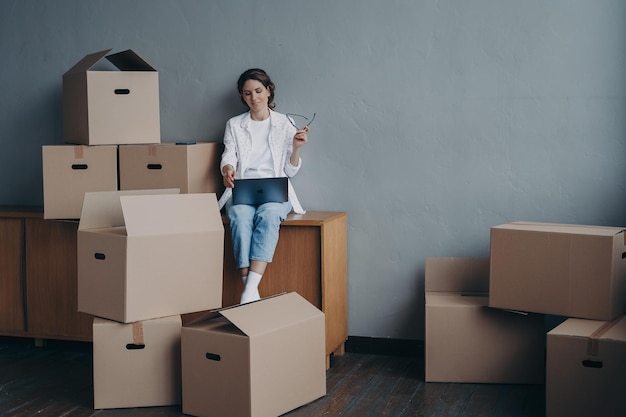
pixel 259 143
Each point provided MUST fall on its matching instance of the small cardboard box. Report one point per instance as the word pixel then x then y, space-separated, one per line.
pixel 102 106
pixel 559 269
pixel 466 341
pixel 137 364
pixel 193 168
pixel 71 170
pixel 259 359
pixel 145 254
pixel 586 369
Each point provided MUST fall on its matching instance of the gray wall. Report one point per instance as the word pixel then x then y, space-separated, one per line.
pixel 435 119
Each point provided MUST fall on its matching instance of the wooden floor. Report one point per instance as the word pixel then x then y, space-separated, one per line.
pixel 56 380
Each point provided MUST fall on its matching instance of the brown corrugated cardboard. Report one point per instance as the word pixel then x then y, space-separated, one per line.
pixel 144 254
pixel 104 106
pixel 566 270
pixel 586 369
pixel 193 168
pixel 137 364
pixel 465 340
pixel 260 359
pixel 71 170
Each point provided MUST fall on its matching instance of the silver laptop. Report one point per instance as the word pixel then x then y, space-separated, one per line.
pixel 256 191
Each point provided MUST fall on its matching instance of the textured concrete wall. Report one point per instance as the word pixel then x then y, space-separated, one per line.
pixel 435 119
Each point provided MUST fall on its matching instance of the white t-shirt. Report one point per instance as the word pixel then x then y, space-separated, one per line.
pixel 261 164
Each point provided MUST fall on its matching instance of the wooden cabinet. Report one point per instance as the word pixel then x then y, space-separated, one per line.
pixel 38 285
pixel 38 277
pixel 11 275
pixel 51 286
pixel 310 259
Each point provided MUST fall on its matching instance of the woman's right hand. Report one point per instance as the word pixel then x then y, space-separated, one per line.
pixel 229 174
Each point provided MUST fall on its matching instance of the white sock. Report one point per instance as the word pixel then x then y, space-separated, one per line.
pixel 251 290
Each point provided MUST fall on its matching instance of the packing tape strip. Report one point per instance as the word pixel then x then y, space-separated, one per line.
pixel 79 152
pixel 152 150
pixel 592 343
pixel 138 333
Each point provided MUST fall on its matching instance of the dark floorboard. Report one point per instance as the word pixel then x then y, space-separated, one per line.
pixel 56 381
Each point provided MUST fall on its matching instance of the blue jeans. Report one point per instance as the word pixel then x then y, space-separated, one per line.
pixel 254 231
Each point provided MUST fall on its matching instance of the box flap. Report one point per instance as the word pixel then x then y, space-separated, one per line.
pixel 87 62
pixel 129 61
pixel 596 329
pixel 562 228
pixel 271 314
pixel 457 275
pixel 155 214
pixel 104 209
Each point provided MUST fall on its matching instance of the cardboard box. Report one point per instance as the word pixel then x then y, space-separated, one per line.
pixel 558 269
pixel 586 369
pixel 71 170
pixel 465 340
pixel 193 168
pixel 102 106
pixel 259 359
pixel 145 254
pixel 137 364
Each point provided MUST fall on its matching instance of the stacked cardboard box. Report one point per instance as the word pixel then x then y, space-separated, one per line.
pixel 586 369
pixel 576 272
pixel 489 319
pixel 111 130
pixel 467 341
pixel 150 249
pixel 144 256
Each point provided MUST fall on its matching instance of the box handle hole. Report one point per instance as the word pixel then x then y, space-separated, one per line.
pixel 155 166
pixel 213 357
pixel 135 346
pixel 122 91
pixel 100 256
pixel 623 255
pixel 79 166
pixel 592 364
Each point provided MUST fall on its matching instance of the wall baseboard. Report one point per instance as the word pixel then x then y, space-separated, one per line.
pixel 385 346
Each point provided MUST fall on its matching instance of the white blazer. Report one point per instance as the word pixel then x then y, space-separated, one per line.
pixel 238 145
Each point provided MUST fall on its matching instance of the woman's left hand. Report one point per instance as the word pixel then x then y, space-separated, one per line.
pixel 301 137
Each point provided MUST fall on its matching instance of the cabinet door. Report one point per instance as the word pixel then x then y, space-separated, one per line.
pixel 296 267
pixel 11 282
pixel 51 286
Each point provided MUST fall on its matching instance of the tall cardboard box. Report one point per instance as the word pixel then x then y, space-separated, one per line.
pixel 466 341
pixel 193 168
pixel 71 170
pixel 259 359
pixel 559 269
pixel 586 369
pixel 145 254
pixel 103 106
pixel 136 364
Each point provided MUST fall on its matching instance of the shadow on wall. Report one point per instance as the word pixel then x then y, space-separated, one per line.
pixel 37 122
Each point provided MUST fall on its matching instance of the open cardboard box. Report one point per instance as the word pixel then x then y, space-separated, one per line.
pixel 559 269
pixel 465 340
pixel 71 170
pixel 136 364
pixel 586 369
pixel 260 359
pixel 102 106
pixel 145 254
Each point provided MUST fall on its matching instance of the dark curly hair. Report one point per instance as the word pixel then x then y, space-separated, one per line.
pixel 260 76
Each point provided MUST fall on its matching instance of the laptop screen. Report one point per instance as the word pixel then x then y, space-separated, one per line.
pixel 257 191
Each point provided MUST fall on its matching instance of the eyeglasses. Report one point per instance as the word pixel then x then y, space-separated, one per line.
pixel 299 118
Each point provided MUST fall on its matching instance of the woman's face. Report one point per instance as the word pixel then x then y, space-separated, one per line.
pixel 255 94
